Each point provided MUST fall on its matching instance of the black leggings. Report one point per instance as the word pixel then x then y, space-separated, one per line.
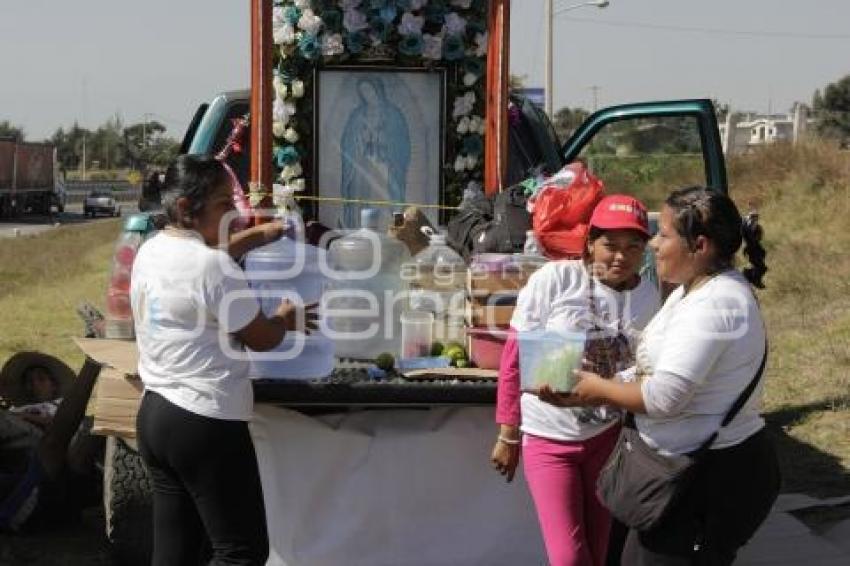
pixel 730 498
pixel 205 481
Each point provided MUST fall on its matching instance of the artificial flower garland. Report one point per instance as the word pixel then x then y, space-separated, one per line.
pixel 423 33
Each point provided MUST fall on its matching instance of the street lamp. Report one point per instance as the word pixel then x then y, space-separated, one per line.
pixel 550 17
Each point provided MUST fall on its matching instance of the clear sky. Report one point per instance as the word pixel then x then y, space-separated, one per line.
pixel 88 59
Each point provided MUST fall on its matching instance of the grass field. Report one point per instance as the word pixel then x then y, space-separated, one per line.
pixel 803 195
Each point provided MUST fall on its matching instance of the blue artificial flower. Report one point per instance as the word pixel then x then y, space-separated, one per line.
pixel 354 42
pixel 286 155
pixel 453 48
pixel 473 145
pixel 474 66
pixel 332 19
pixel 411 45
pixel 309 46
pixel 403 5
pixel 292 14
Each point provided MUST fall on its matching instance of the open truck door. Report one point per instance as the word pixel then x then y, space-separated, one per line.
pixel 648 149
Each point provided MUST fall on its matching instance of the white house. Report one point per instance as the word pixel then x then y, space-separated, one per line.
pixel 740 134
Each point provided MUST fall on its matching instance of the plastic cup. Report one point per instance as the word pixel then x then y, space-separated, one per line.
pixel 416 333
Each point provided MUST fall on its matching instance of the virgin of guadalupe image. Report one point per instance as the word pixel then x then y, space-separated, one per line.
pixel 375 150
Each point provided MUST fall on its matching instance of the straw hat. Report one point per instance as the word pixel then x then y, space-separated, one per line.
pixel 12 375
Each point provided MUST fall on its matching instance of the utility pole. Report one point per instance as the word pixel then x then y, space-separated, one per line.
pixel 84 156
pixel 595 89
pixel 550 18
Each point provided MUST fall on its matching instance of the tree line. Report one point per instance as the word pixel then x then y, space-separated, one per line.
pixel 113 145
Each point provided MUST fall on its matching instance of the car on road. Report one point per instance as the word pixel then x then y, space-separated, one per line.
pixel 101 202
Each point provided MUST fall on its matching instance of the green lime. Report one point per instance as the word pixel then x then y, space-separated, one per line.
pixel 437 349
pixel 462 363
pixel 385 361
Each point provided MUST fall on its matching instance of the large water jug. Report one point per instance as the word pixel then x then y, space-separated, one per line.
pixel 290 269
pixel 437 278
pixel 364 306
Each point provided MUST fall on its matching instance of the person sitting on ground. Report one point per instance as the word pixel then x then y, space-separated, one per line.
pixel 43 470
pixel 42 389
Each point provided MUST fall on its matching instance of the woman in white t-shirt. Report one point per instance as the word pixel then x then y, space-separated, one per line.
pixel 194 313
pixel 695 358
pixel 564 448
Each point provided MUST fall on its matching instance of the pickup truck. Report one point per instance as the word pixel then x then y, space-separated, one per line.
pixel 101 202
pixel 643 149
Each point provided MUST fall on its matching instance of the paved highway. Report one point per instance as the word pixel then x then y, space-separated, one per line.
pixel 32 224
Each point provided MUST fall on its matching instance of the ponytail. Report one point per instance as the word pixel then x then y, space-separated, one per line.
pixel 752 233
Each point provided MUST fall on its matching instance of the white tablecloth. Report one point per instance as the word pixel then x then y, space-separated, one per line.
pixel 391 488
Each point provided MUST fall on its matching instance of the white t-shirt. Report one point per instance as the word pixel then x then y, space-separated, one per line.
pixel 698 354
pixel 556 298
pixel 186 305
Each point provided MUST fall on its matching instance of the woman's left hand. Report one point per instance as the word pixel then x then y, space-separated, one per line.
pixel 271 231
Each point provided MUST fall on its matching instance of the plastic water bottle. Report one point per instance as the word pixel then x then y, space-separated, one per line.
pixel 532 246
pixel 119 315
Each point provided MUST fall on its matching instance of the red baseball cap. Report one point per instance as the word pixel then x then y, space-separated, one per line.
pixel 620 212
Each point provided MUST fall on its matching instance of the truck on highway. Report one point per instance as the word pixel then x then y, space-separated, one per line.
pixel 28 178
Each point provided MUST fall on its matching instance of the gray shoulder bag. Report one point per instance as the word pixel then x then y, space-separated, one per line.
pixel 640 486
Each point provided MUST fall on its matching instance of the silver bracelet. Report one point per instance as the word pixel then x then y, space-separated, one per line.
pixel 509 441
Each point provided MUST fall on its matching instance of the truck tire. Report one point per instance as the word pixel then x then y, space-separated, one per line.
pixel 127 504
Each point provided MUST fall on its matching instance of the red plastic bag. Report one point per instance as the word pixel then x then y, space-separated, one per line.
pixel 561 214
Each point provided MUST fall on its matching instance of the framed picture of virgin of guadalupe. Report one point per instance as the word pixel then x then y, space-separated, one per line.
pixel 378 141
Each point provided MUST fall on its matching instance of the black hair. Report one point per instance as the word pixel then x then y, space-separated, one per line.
pixel 194 177
pixel 701 211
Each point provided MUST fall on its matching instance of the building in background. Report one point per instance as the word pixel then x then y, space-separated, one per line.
pixel 742 132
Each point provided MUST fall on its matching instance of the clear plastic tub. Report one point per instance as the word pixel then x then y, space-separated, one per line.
pixel 416 334
pixel 547 357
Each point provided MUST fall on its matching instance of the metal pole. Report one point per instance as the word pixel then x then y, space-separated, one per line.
pixel 549 17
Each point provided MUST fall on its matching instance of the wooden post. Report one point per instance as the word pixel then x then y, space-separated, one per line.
pixel 261 96
pixel 498 78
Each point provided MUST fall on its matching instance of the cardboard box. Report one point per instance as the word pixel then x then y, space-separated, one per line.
pixel 118 392
pixel 487 316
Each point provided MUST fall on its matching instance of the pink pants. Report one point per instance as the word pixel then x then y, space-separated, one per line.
pixel 562 479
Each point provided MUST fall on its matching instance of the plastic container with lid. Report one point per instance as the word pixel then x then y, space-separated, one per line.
pixel 119 315
pixel 290 269
pixel 363 308
pixel 547 357
pixel 436 277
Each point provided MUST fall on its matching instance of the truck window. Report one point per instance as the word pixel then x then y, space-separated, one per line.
pixel 647 157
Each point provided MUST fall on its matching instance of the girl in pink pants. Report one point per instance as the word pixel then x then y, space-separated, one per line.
pixel 603 296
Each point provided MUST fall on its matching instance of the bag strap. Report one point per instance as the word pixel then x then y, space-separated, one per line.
pixel 738 404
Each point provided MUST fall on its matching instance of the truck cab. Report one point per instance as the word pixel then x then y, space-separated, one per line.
pixel 645 149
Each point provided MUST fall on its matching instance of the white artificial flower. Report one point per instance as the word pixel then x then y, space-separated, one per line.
pixel 480 44
pixel 471 162
pixel 297 88
pixel 432 47
pixel 476 125
pixel 332 45
pixel 278 129
pixel 455 25
pixel 291 171
pixel 349 4
pixel 310 22
pixel 283 34
pixel 354 20
pixel 463 4
pixel 291 135
pixel 279 86
pixel 297 184
pixel 282 111
pixel 463 126
pixel 417 4
pixel 410 24
pixel 464 104
pixel 302 3
pixel 277 16
pixel 460 164
pixel 469 79
pixel 475 187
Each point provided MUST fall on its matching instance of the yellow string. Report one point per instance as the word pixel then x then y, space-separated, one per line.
pixel 374 202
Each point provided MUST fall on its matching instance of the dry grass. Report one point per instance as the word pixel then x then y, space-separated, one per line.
pixel 42 280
